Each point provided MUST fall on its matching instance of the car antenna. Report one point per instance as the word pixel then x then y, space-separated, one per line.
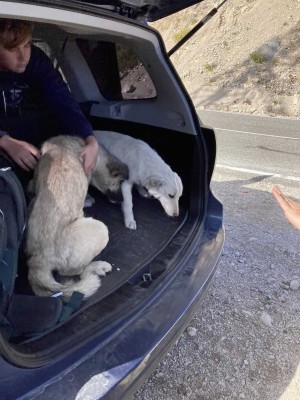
pixel 212 12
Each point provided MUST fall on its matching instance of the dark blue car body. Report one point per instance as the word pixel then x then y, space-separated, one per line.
pixel 111 344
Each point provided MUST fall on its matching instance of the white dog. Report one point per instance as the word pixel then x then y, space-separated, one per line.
pixel 151 175
pixel 61 243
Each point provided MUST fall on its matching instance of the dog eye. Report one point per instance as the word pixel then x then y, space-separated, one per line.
pixel 171 196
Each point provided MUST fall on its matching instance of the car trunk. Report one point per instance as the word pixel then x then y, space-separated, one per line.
pixel 145 261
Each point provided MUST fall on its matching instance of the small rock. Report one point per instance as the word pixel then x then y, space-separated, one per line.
pixel 250 96
pixel 295 284
pixel 266 319
pixel 129 88
pixel 247 313
pixel 284 286
pixel 191 331
pixel 282 299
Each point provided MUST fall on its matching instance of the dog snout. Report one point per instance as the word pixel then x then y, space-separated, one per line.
pixel 115 197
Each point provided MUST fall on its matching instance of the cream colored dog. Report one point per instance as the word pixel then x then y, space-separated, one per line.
pixel 61 243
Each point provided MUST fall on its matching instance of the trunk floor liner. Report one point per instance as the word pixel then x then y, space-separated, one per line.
pixel 129 250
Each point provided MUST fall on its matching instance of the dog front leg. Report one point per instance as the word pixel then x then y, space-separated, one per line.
pixel 127 205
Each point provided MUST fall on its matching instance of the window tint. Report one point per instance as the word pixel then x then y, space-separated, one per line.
pixel 117 70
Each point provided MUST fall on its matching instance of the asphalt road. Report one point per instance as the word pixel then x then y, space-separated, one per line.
pixel 262 145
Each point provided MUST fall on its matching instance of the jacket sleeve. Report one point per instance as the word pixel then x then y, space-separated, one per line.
pixel 56 95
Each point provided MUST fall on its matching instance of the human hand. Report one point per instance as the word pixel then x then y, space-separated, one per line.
pixel 90 154
pixel 22 153
pixel 291 208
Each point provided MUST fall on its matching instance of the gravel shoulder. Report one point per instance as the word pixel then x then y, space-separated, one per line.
pixel 243 342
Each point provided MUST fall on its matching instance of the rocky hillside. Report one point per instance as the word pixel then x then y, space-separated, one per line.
pixel 246 58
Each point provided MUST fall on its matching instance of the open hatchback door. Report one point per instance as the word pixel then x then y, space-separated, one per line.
pixel 118 70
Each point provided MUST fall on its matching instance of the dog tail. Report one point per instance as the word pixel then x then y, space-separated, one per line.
pixel 47 283
pixel 87 283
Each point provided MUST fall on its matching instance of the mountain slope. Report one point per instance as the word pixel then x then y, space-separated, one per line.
pixel 245 59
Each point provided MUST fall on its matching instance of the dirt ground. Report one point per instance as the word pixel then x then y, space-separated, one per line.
pixel 246 58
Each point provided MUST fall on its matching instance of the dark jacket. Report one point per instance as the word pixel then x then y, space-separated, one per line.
pixel 37 104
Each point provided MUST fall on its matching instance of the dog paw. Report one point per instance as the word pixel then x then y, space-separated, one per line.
pixel 130 224
pixel 102 268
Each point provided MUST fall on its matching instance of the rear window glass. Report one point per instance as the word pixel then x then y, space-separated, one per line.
pixel 117 70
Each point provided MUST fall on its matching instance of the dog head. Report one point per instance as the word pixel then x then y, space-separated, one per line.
pixel 167 191
pixel 108 175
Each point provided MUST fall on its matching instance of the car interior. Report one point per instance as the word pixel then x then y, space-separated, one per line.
pixel 124 83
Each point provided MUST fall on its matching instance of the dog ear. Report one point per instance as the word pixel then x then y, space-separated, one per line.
pixel 178 183
pixel 153 183
pixel 118 169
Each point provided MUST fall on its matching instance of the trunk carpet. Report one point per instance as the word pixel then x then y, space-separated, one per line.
pixel 129 250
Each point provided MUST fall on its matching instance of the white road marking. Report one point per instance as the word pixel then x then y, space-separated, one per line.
pixel 256 172
pixel 258 134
